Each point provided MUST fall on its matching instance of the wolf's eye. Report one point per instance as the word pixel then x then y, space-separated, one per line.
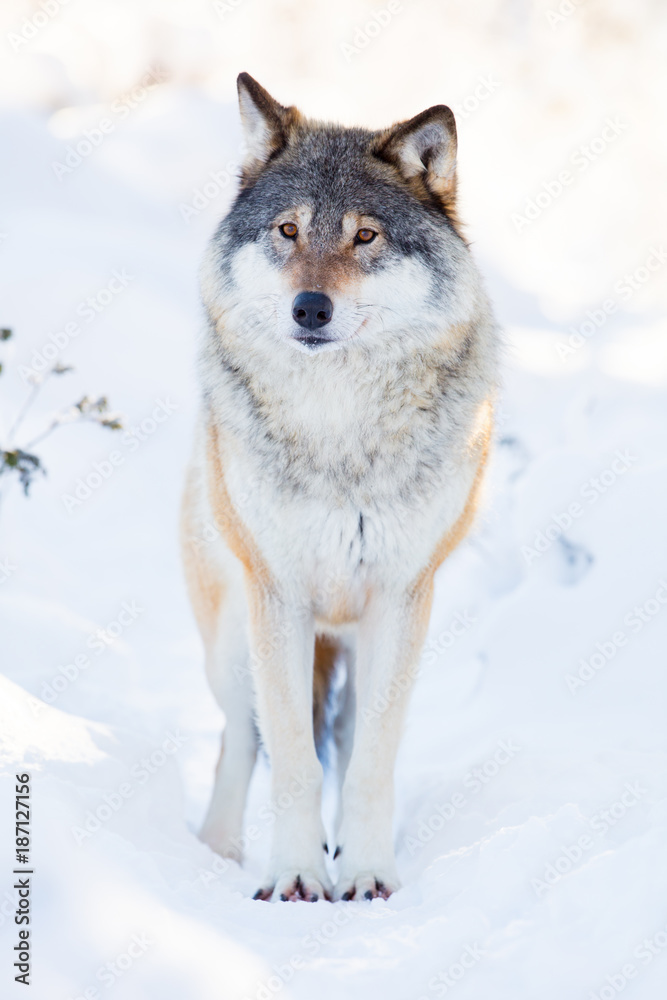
pixel 365 236
pixel 289 230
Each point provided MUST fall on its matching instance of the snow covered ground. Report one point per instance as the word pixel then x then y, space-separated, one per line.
pixel 531 785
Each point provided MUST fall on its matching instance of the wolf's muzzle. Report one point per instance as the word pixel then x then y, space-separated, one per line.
pixel 312 310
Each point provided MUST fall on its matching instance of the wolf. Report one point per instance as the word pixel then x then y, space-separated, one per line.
pixel 348 373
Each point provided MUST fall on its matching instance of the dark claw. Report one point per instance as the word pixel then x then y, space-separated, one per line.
pixel 346 896
pixel 314 898
pixel 383 892
pixel 368 894
pixel 283 897
pixel 326 848
pixel 258 895
pixel 339 850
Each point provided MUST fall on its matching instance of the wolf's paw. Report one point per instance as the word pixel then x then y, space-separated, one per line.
pixel 367 885
pixel 305 884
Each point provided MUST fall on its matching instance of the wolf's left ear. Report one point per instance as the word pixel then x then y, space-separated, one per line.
pixel 265 124
pixel 424 148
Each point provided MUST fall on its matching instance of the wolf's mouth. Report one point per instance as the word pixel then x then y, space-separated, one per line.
pixel 312 340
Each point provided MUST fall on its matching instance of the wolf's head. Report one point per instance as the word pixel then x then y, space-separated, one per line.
pixel 339 235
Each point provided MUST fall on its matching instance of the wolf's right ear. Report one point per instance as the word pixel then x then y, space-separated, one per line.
pixel 265 124
pixel 424 151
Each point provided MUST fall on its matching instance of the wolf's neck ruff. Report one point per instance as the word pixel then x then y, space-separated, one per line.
pixel 349 419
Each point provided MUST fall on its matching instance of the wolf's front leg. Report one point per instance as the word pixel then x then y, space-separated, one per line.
pixel 390 640
pixel 282 644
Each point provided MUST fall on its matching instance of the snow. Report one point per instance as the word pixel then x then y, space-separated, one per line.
pixel 531 782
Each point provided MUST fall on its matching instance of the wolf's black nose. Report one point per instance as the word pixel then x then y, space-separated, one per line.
pixel 312 309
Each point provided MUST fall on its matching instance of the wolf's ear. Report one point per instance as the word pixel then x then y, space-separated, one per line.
pixel 424 148
pixel 265 124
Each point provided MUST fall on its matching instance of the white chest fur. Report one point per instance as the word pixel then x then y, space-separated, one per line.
pixel 348 476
